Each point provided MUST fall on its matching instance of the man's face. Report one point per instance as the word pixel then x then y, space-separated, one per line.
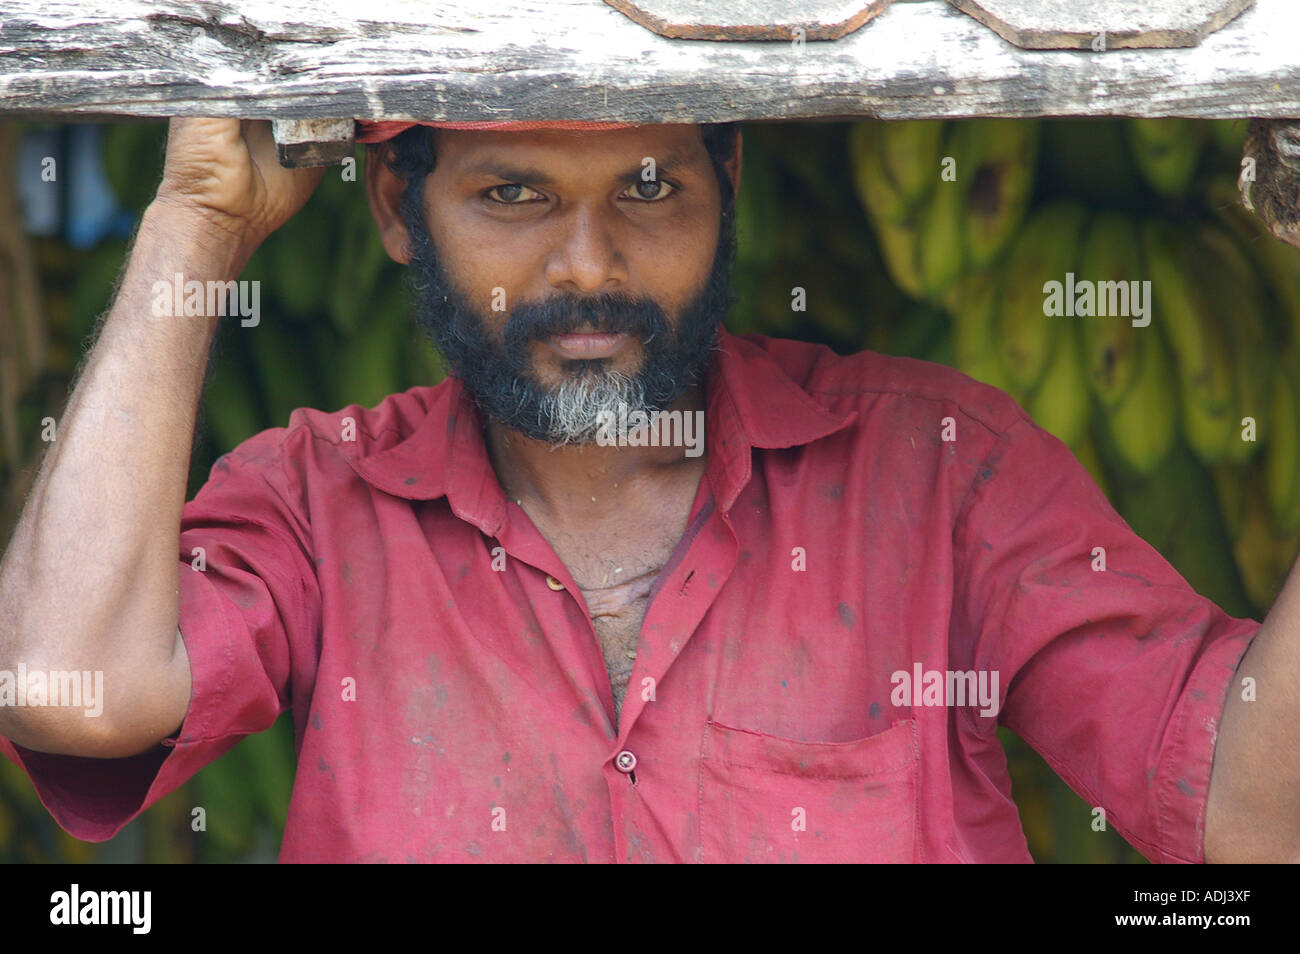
pixel 565 273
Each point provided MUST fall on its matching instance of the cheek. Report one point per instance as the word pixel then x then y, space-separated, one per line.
pixel 482 262
pixel 673 263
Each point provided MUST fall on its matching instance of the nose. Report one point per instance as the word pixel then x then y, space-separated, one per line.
pixel 586 258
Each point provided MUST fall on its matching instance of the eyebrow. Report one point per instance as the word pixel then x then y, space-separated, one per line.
pixel 674 163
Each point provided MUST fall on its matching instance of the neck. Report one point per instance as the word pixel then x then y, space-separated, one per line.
pixel 588 481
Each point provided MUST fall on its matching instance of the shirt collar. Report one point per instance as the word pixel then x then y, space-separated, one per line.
pixel 751 401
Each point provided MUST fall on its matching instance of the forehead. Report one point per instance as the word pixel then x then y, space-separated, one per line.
pixel 669 145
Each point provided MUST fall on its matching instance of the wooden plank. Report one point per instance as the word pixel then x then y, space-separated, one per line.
pixel 1103 24
pixel 312 142
pixel 581 59
pixel 785 20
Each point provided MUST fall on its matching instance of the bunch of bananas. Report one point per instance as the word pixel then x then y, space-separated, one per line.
pixel 1159 339
pixel 943 198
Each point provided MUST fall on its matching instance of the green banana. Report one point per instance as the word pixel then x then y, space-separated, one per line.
pixel 1282 457
pixel 884 203
pixel 1279 262
pixel 1182 312
pixel 911 150
pixel 895 171
pixel 939 252
pixel 1239 301
pixel 1060 404
pixel 898 248
pixel 996 166
pixel 1143 426
pixel 1044 251
pixel 1112 252
pixel 1264 556
pixel 972 303
pixel 1167 152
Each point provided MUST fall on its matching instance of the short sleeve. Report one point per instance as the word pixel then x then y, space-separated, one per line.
pixel 247 590
pixel 1116 674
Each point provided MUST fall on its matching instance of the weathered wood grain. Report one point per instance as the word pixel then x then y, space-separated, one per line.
pixel 1104 24
pixel 784 20
pixel 581 59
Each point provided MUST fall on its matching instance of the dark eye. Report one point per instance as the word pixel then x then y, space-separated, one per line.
pixel 652 190
pixel 511 194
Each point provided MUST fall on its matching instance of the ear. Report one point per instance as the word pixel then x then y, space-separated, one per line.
pixel 384 190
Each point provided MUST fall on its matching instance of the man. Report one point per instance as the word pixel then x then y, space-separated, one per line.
pixel 512 629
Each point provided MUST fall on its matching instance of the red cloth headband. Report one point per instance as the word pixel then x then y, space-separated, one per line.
pixel 380 132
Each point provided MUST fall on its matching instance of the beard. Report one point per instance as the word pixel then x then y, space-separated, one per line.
pixel 500 377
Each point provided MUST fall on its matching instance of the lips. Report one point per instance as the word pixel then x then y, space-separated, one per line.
pixel 587 346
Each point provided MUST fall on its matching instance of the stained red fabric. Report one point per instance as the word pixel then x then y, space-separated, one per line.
pixel 382 131
pixel 837 540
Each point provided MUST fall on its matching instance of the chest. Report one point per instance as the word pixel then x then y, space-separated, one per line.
pixel 616 584
pixel 479 687
pixel 616 572
pixel 615 564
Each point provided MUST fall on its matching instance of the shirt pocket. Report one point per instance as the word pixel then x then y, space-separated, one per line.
pixel 769 799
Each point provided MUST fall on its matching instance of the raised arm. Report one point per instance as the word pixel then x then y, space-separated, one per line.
pixel 88 582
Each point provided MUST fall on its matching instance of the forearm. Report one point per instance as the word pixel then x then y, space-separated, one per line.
pixel 1253 813
pixel 88 581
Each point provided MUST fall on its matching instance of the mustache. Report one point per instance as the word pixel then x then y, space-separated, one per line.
pixel 607 313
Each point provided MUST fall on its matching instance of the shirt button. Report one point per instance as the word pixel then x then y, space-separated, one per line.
pixel 553 583
pixel 625 761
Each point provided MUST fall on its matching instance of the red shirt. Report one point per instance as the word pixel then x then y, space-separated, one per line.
pixel 447 710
